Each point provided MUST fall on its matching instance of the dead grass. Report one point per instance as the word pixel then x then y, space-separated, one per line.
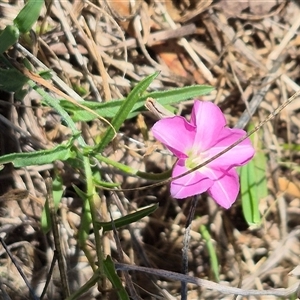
pixel 248 50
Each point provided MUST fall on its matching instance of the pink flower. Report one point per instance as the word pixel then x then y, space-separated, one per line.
pixel 195 142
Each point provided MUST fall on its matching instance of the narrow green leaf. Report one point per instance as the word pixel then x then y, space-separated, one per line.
pixel 110 272
pixel 249 196
pixel 131 218
pixel 179 94
pixel 86 217
pixel 83 289
pixel 83 196
pixel 28 15
pixel 60 152
pixel 11 80
pixel 52 102
pixel 134 172
pixel 253 181
pixel 84 229
pixel 109 109
pixel 8 37
pixel 125 109
pixel 57 191
pixel 105 184
pixel 45 218
pixel 211 251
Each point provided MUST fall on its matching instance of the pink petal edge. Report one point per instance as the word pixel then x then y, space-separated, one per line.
pixel 189 185
pixel 209 121
pixel 237 156
pixel 175 133
pixel 225 188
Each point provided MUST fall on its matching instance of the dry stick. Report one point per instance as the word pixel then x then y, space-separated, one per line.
pixel 185 249
pixel 119 29
pixel 285 41
pixel 201 6
pixel 73 44
pixel 61 84
pixel 49 275
pixel 36 143
pixel 46 84
pixel 56 237
pixel 31 291
pixel 157 37
pixel 277 57
pixel 136 243
pixel 129 284
pixel 92 48
pixel 237 42
pixel 139 38
pixel 281 292
pixel 15 245
pixel 258 98
pixel 278 254
pixel 164 71
pixel 184 43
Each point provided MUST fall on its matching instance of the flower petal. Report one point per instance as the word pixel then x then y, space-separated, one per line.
pixel 175 133
pixel 225 188
pixel 209 121
pixel 237 156
pixel 192 184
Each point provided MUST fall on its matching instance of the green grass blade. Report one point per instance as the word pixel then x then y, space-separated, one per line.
pixel 254 182
pixel 86 218
pixel 57 191
pixel 105 184
pixel 125 109
pixel 83 289
pixel 8 37
pixel 110 272
pixel 60 152
pixel 134 172
pixel 211 251
pixel 52 102
pixel 110 109
pixel 11 80
pixel 28 15
pixel 249 194
pixel 126 220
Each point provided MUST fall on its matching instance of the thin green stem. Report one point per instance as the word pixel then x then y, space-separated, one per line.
pixel 55 104
pixel 134 172
pixel 89 284
pixel 90 195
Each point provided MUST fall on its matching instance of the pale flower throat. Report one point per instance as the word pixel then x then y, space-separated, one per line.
pixel 195 158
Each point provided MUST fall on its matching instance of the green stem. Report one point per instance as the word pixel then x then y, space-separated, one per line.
pixel 54 104
pixel 89 203
pixel 90 194
pixel 88 285
pixel 134 172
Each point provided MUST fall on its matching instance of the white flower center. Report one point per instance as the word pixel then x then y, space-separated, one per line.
pixel 195 158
